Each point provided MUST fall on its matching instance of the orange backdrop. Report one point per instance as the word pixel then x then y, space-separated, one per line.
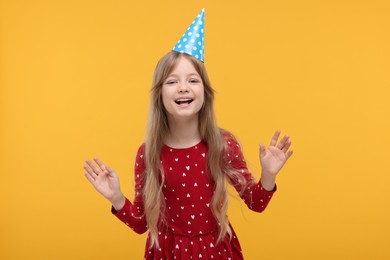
pixel 74 83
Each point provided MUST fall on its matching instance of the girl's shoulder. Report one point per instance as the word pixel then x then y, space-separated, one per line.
pixel 140 157
pixel 232 154
pixel 228 137
pixel 141 149
pixel 230 141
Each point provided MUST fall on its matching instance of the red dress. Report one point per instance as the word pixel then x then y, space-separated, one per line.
pixel 191 230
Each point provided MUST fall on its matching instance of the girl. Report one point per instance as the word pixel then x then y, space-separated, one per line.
pixel 180 170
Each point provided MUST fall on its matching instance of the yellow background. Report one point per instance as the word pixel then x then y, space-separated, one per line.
pixel 74 83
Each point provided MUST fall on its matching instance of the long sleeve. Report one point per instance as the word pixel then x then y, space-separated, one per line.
pixel 254 195
pixel 132 214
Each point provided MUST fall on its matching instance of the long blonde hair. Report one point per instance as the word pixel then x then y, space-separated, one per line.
pixel 158 129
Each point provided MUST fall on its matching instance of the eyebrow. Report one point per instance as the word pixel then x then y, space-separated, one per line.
pixel 189 75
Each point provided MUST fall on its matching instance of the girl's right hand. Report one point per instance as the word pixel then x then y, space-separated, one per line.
pixel 105 181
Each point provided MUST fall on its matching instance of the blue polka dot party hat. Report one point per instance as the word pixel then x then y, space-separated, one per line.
pixel 192 41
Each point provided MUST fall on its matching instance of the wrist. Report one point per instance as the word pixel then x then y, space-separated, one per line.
pixel 118 201
pixel 268 181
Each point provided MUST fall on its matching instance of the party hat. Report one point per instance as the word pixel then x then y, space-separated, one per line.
pixel 192 41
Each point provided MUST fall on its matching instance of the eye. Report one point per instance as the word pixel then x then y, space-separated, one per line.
pixel 194 81
pixel 170 82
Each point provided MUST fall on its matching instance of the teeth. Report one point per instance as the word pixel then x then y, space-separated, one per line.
pixel 183 100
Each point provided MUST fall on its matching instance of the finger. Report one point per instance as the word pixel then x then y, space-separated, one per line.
pixel 89 174
pixel 283 142
pixel 289 153
pixel 89 177
pixel 109 169
pixel 100 163
pixel 111 172
pixel 286 146
pixel 88 169
pixel 262 150
pixel 275 138
pixel 93 167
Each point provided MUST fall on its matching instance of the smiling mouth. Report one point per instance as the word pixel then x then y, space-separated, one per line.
pixel 183 101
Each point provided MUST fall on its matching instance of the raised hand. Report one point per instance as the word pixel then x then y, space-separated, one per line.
pixel 105 181
pixel 274 157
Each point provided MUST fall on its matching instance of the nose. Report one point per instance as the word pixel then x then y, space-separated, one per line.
pixel 183 88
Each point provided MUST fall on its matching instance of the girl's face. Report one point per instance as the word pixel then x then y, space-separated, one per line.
pixel 183 91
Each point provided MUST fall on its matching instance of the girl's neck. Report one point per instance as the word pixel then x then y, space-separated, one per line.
pixel 183 134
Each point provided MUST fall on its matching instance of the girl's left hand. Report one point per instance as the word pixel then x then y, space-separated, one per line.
pixel 273 158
